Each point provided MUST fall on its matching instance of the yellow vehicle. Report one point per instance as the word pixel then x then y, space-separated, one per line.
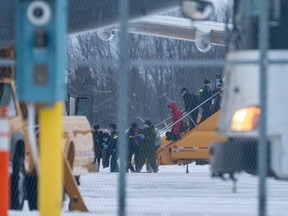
pixel 193 145
pixel 77 146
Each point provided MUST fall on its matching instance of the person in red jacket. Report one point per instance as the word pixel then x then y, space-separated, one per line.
pixel 176 116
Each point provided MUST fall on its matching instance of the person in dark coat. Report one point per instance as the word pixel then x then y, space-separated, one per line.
pixel 206 93
pixel 148 148
pixel 105 150
pixel 176 118
pixel 97 145
pixel 132 146
pixel 218 97
pixel 140 150
pixel 191 101
pixel 114 167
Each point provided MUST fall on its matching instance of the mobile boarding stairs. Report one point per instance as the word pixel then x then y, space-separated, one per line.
pixel 194 144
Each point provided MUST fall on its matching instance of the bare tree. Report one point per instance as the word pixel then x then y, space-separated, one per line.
pixel 150 89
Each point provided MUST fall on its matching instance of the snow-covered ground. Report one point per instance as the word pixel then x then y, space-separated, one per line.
pixel 172 192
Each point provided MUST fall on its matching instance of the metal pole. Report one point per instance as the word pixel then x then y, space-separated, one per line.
pixel 51 161
pixel 262 149
pixel 123 75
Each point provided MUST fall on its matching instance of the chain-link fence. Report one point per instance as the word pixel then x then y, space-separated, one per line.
pixel 175 83
pixel 161 92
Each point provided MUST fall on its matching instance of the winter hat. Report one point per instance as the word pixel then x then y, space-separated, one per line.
pixel 206 82
pixel 219 81
pixel 184 90
pixel 134 125
pixel 113 126
pixel 96 127
pixel 148 122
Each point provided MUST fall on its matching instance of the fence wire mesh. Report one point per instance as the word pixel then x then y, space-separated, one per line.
pixel 7 11
pixel 186 79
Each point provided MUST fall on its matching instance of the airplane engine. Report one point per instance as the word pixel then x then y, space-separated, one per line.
pixel 202 41
pixel 106 34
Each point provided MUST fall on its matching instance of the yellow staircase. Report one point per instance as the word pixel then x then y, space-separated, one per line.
pixel 193 145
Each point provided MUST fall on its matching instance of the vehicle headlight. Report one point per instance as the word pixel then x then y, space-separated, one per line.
pixel 246 119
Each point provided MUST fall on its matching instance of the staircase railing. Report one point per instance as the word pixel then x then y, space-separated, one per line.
pixel 170 125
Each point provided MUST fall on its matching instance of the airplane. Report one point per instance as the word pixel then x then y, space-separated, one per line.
pixel 101 16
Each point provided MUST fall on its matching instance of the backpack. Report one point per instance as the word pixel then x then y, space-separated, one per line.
pixel 184 126
pixel 169 135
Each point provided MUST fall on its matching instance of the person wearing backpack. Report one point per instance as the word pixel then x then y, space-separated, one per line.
pixel 148 152
pixel 176 119
pixel 158 143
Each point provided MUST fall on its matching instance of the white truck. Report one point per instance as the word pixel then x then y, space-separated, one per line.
pixel 239 118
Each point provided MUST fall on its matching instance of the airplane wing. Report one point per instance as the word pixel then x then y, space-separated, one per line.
pixel 203 33
pixel 84 15
pixel 179 28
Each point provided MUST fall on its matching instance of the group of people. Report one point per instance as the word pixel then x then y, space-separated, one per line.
pixel 141 142
pixel 105 147
pixel 208 99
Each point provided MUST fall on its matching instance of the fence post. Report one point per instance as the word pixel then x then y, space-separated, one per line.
pixel 4 162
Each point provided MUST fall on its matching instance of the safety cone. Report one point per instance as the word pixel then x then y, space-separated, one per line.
pixel 4 161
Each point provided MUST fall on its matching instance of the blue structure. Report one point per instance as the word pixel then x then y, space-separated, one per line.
pixel 41 50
